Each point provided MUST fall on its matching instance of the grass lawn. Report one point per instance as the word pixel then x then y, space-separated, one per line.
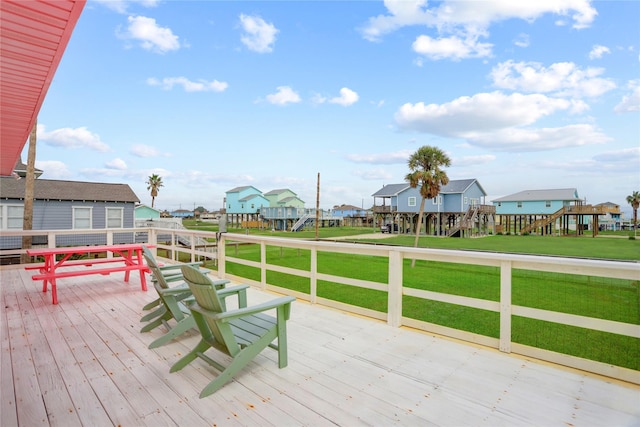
pixel 617 300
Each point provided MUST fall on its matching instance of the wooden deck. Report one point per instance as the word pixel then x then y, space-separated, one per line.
pixel 84 362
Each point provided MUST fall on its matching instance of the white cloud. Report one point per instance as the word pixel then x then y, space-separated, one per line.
pixel 561 78
pixel 543 139
pixel 597 51
pixel 150 35
pixel 122 6
pixel 482 112
pixel 396 157
pixel 451 14
pixel 200 85
pixel 620 156
pixel 347 97
pixel 522 40
pixel 631 102
pixel 141 150
pixel 117 164
pixel 259 36
pixel 53 169
pixel 460 23
pixel 373 174
pixel 284 95
pixel 401 14
pixel 453 47
pixel 72 138
pixel 472 160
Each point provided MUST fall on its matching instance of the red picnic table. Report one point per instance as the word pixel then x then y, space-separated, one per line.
pixel 129 259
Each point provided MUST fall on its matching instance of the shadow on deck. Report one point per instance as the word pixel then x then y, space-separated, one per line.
pixel 84 362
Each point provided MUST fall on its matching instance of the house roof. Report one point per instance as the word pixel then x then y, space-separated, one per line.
pixel 250 196
pixel 278 191
pixel 143 206
pixel 289 199
pixel 49 189
pixel 454 186
pixel 346 208
pixel 537 195
pixel 242 188
pixel 21 169
pixel 390 190
pixel 34 37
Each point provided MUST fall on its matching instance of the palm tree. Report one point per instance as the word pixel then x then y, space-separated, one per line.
pixel 425 166
pixel 154 183
pixel 634 201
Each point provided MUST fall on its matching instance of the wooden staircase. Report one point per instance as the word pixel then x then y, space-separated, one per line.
pixel 466 222
pixel 544 221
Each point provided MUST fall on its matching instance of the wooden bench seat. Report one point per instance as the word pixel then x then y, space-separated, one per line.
pixel 83 262
pixel 86 272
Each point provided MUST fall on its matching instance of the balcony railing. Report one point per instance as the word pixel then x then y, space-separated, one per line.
pixel 397 289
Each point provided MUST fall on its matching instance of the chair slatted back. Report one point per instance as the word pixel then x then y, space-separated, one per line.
pixel 208 301
pixel 155 268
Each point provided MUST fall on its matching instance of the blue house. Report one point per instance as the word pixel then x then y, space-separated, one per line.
pixel 545 212
pixel 458 209
pixel 283 198
pixel 68 205
pixel 244 204
pixel 144 212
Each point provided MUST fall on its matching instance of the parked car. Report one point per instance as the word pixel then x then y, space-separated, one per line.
pixel 386 228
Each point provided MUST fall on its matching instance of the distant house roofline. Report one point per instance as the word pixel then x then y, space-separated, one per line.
pixel 51 189
pixel 565 194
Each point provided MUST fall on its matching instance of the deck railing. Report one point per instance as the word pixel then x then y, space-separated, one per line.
pixel 396 289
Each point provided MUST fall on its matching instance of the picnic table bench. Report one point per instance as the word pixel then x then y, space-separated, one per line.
pixel 129 258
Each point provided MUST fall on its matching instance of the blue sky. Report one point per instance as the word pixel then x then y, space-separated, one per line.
pixel 212 95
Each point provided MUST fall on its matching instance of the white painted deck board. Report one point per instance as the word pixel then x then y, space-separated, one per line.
pixel 84 362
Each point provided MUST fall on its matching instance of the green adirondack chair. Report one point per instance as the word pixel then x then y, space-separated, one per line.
pixel 170 274
pixel 239 333
pixel 174 302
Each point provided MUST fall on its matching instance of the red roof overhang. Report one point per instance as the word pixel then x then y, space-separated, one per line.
pixel 33 37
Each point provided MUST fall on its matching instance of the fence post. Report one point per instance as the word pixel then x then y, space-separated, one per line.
pixel 313 280
pixel 394 311
pixel 505 306
pixel 263 265
pixel 221 254
pixel 109 243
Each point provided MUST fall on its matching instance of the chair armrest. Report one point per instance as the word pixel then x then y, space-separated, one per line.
pixel 223 293
pixel 176 290
pixel 242 312
pixel 177 266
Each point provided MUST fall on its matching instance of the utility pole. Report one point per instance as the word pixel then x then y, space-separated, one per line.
pixel 317 205
pixel 27 222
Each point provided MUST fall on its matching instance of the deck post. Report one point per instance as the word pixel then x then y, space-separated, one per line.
pixel 505 306
pixel 394 312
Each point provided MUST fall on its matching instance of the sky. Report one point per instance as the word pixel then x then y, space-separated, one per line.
pixel 212 95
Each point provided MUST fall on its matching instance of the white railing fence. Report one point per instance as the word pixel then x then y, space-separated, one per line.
pixel 223 249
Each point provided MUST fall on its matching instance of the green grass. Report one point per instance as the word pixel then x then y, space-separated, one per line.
pixel 612 248
pixel 612 299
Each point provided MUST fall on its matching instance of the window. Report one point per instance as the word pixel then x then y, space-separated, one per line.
pixel 115 217
pixel 412 201
pixel 548 203
pixel 11 217
pixel 466 200
pixel 437 200
pixel 81 218
pixel 519 204
pixel 253 206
